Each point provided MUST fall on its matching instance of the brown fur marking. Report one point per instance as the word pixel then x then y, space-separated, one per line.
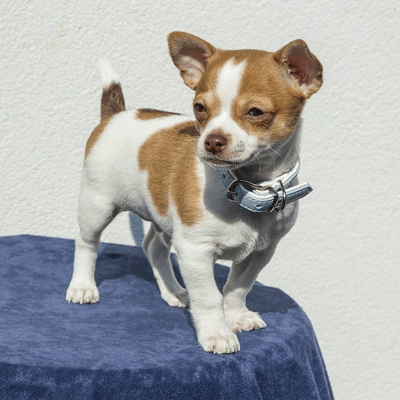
pixel 149 113
pixel 112 101
pixel 262 86
pixel 95 135
pixel 169 158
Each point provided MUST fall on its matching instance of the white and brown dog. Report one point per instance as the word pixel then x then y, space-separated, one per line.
pixel 166 168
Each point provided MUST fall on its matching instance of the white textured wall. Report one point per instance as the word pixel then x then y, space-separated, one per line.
pixel 341 261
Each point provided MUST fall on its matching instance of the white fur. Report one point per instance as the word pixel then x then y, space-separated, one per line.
pixel 108 75
pixel 242 145
pixel 112 182
pixel 228 84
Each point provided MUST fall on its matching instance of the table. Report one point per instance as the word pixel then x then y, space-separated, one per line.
pixel 132 345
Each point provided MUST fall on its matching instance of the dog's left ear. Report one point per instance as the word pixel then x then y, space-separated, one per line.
pixel 300 67
pixel 190 54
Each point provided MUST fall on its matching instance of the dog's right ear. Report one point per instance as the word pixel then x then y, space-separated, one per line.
pixel 190 54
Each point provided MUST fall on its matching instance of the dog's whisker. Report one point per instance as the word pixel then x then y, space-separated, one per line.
pixel 189 154
pixel 272 156
pixel 259 163
pixel 270 148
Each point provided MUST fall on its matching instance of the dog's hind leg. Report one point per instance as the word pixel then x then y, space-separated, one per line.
pixel 95 212
pixel 157 247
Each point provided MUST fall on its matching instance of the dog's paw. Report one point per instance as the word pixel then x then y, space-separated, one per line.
pixel 225 343
pixel 83 294
pixel 180 298
pixel 244 321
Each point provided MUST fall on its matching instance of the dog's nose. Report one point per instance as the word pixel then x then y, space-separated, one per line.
pixel 215 143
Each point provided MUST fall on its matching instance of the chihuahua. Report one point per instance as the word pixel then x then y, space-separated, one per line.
pixel 220 186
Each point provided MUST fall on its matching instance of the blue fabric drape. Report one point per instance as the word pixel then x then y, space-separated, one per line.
pixel 132 345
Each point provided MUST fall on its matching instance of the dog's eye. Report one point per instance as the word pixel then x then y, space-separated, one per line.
pixel 199 108
pixel 255 112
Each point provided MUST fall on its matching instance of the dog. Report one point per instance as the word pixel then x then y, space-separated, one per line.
pixel 201 182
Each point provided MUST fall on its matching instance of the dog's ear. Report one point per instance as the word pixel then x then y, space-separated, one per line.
pixel 300 67
pixel 190 54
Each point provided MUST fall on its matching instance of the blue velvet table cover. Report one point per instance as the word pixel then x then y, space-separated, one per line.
pixel 132 345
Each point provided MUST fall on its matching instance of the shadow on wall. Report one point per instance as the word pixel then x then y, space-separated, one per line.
pixel 137 228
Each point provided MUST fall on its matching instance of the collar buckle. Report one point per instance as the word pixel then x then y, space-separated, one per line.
pixel 230 190
pixel 249 195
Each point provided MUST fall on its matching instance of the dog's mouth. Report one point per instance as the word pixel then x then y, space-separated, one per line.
pixel 225 164
pixel 228 159
pixel 219 163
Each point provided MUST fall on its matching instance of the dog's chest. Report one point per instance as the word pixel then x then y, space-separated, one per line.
pixel 235 240
pixel 234 232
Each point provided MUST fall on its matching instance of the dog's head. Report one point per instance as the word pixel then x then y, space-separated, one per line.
pixel 246 100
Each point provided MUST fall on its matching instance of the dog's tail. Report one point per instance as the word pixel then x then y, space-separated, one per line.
pixel 112 99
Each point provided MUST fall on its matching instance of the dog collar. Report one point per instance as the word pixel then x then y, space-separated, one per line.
pixel 265 196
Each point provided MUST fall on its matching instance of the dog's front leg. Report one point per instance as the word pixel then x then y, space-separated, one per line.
pixel 206 302
pixel 239 283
